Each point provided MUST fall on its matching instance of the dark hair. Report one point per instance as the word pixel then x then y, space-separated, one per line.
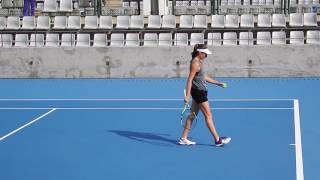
pixel 196 47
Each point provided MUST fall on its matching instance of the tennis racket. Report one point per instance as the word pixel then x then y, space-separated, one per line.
pixel 187 115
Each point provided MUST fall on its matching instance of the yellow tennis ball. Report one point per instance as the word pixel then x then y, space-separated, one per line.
pixel 224 85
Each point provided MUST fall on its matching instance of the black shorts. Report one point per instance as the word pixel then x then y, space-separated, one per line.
pixel 199 96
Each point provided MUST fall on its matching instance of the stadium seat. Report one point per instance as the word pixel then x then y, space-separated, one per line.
pixel 313 37
pixel 297 37
pixel 60 22
pixel 214 39
pixel 246 21
pixel 13 22
pixel 132 39
pixel 296 20
pixel 74 22
pixel 264 20
pixel 37 40
pixel 165 39
pixel 230 2
pixel 269 2
pixel 43 22
pixel 83 40
pixel 123 22
pixel 196 38
pixel 278 20
pixel 7 4
pixel 246 2
pixel 136 22
pixel 50 6
pixel 3 22
pixel 154 21
pixel 66 6
pixel 200 21
pixel 100 40
pixel 237 2
pixel 105 22
pixel 168 21
pixel 217 21
pixel 186 21
pixel 232 21
pixel 310 19
pixel 230 38
pixel 263 38
pixel 255 2
pixel 277 3
pixel 262 2
pixel 117 40
pixel 246 38
pixel 52 40
pixel 6 40
pixel 91 22
pixel 278 38
pixel 21 40
pixel 67 40
pixel 150 39
pixel 28 22
pixel 181 39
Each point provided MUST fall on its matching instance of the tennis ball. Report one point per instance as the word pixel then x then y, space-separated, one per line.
pixel 224 85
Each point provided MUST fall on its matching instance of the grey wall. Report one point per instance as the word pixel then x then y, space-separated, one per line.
pixel 129 62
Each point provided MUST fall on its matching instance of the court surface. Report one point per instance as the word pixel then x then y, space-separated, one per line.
pixel 128 129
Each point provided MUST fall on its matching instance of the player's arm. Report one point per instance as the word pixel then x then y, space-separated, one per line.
pixel 193 70
pixel 212 81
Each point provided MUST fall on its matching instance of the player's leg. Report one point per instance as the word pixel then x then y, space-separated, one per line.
pixel 205 109
pixel 184 137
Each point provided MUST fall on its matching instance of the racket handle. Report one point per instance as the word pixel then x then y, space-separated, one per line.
pixel 185 92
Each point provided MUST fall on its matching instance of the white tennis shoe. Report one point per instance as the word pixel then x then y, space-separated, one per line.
pixel 185 141
pixel 223 141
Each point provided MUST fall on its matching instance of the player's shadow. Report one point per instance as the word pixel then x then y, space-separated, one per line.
pixel 147 137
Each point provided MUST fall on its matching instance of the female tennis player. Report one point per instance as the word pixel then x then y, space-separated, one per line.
pixel 197 88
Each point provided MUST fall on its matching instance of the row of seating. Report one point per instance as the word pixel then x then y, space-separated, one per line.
pixel 157 22
pixel 245 2
pixel 154 39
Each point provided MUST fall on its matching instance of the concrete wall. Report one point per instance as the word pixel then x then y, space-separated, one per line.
pixel 130 62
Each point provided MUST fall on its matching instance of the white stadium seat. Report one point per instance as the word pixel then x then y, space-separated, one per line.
pixel 105 22
pixel 60 22
pixel 232 21
pixel 83 40
pixel 214 39
pixel 217 21
pixel 52 40
pixel 3 22
pixel 67 40
pixel 165 39
pixel 246 38
pixel 278 37
pixel 297 37
pixel 263 38
pixel 74 22
pixel 21 40
pixel 313 37
pixel 136 22
pixel 230 38
pixel 6 40
pixel 168 21
pixel 65 5
pixel 310 19
pixel 50 6
pixel 37 40
pixel 196 38
pixel 150 39
pixel 181 39
pixel 154 21
pixel 278 20
pixel 186 21
pixel 100 40
pixel 90 22
pixel 246 21
pixel 13 22
pixel 200 21
pixel 123 22
pixel 132 39
pixel 43 22
pixel 296 20
pixel 117 39
pixel 264 20
pixel 28 22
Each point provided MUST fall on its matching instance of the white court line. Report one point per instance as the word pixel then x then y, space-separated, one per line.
pixel 298 144
pixel 134 108
pixel 233 100
pixel 26 125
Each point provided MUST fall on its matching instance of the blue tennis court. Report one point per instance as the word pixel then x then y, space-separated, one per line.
pixel 128 129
